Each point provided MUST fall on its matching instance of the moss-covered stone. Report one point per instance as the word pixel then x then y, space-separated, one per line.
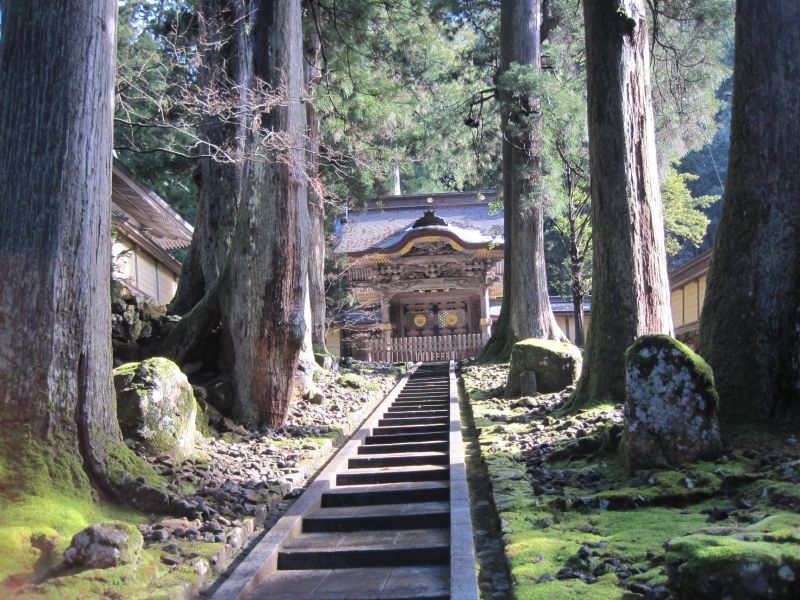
pixel 759 561
pixel 556 365
pixel 670 406
pixel 104 545
pixel 156 405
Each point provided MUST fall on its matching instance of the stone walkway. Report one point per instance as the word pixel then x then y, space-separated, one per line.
pixel 394 522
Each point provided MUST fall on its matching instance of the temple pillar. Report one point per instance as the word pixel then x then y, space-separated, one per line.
pixel 486 320
pixel 386 325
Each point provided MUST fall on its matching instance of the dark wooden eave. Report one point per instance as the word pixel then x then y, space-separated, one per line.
pixel 690 270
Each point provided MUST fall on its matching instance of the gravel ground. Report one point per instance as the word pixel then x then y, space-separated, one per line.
pixel 240 481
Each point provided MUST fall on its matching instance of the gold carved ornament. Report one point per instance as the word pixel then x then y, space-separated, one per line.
pixel 420 320
pixel 451 320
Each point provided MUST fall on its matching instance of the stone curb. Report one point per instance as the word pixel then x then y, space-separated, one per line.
pixel 262 558
pixel 463 576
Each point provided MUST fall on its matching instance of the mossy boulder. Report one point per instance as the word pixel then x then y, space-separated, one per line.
pixel 670 405
pixel 556 365
pixel 104 545
pixel 156 406
pixel 353 381
pixel 761 561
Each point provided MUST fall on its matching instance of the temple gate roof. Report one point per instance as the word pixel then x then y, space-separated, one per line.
pixel 470 219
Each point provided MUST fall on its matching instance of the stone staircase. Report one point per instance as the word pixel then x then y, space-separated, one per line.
pixel 383 531
pixel 387 519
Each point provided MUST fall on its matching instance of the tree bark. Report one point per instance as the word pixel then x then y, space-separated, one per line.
pixel 750 326
pixel 56 108
pixel 316 207
pixel 259 296
pixel 224 67
pixel 262 305
pixel 525 294
pixel 630 289
pixel 577 315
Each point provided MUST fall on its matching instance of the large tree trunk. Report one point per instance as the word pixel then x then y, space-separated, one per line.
pixel 316 208
pixel 259 296
pixel 56 106
pixel 224 65
pixel 262 303
pixel 525 295
pixel 577 315
pixel 750 326
pixel 630 290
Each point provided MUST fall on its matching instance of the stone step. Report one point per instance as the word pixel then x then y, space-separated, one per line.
pixel 387 493
pixel 433 405
pixel 395 429
pixel 407 437
pixel 380 583
pixel 393 474
pixel 398 459
pixel 408 414
pixel 414 406
pixel 417 515
pixel 432 446
pixel 421 400
pixel 389 548
pixel 413 420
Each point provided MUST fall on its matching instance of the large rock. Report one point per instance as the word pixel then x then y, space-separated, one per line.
pixel 670 404
pixel 761 561
pixel 156 405
pixel 556 365
pixel 104 545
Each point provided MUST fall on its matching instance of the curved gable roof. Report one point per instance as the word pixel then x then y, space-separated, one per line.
pixel 384 225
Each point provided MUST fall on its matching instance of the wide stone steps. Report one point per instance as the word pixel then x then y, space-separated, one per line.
pixel 413 515
pixel 398 459
pixel 441 421
pixel 394 474
pixel 377 583
pixel 428 436
pixel 382 531
pixel 387 493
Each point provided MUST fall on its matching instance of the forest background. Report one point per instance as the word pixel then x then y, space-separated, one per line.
pixel 407 92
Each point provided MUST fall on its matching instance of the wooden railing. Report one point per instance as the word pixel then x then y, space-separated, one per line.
pixel 427 349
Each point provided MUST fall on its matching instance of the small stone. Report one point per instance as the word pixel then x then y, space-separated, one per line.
pixel 639 588
pixel 172 560
pixel 659 592
pixel 567 573
pixel 786 573
pixel 719 514
pixel 159 535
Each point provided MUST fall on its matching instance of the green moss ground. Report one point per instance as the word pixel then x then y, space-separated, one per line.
pixel 357 382
pixel 545 533
pixel 45 499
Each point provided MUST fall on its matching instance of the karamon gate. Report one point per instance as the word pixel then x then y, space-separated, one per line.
pixel 426 271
